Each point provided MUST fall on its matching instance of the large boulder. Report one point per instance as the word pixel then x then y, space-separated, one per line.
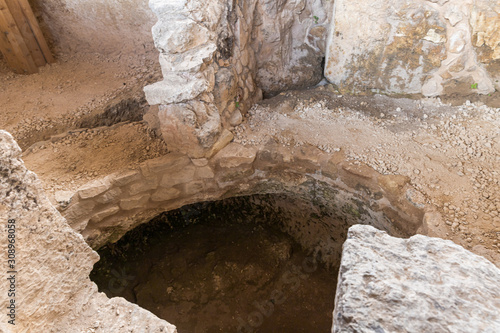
pixel 420 284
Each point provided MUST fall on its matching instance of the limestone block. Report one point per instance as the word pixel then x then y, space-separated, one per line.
pixel 235 155
pixel 178 87
pixel 163 8
pixel 269 157
pixel 485 23
pixel 63 198
pixel 207 12
pixel 171 162
pixel 226 88
pixel 125 178
pixel 137 201
pixel 190 128
pixel 78 210
pixel 179 177
pixel 109 196
pixel 200 162
pixel 101 215
pixel 143 186
pixel 165 194
pixel 405 44
pixel 454 15
pixel 204 172
pixel 192 188
pixel 180 35
pixel 225 138
pixel 420 284
pixel 236 118
pixel 93 188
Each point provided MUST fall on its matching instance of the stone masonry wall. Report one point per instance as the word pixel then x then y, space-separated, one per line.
pixel 105 210
pixel 430 47
pixel 217 57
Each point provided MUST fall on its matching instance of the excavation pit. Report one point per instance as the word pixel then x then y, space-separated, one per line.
pixel 260 263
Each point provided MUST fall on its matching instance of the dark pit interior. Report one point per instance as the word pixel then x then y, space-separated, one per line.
pixel 260 263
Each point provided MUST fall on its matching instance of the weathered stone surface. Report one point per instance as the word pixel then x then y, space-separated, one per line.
pixel 405 44
pixel 225 138
pixel 190 128
pixel 179 177
pixel 54 292
pixel 485 25
pixel 112 195
pixel 235 155
pixel 125 178
pixel 287 39
pixel 93 189
pixel 63 198
pixel 420 284
pixel 224 54
pixel 143 186
pixel 170 162
pixel 165 194
pixel 413 46
pixel 101 215
pixel 178 87
pixel 134 202
pixel 204 173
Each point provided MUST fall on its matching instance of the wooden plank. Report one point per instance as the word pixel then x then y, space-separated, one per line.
pixel 16 40
pixel 25 29
pixel 35 28
pixel 8 52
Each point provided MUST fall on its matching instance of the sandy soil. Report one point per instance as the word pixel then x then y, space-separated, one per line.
pixel 451 154
pixel 71 92
pixel 72 159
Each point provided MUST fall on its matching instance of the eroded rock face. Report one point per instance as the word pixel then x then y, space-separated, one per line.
pixel 53 292
pixel 422 46
pixel 289 40
pixel 420 284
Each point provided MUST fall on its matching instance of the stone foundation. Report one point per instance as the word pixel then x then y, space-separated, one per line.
pixel 104 210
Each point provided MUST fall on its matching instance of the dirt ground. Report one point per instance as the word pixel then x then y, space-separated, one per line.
pixel 81 117
pixel 451 154
pixel 73 93
pixel 221 274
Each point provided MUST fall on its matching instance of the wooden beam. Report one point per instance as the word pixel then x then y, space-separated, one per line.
pixel 8 52
pixel 9 28
pixel 37 32
pixel 24 27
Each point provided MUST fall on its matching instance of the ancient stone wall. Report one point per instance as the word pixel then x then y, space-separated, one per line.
pixel 51 286
pixel 218 57
pixel 430 47
pixel 104 210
